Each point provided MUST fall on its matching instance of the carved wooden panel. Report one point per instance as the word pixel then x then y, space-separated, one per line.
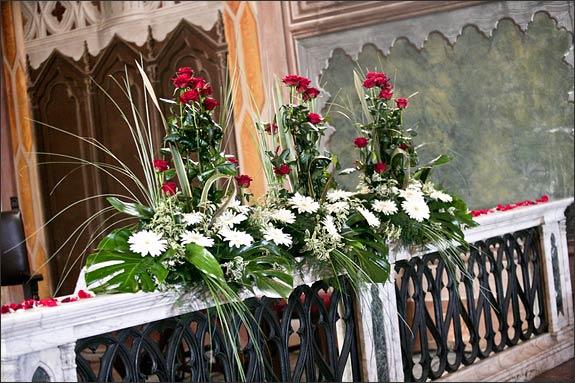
pixel 63 95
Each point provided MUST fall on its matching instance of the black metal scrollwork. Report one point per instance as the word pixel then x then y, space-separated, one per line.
pixel 452 316
pixel 294 341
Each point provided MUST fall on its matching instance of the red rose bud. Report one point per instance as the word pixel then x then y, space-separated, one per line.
pixel 360 142
pixel 244 180
pixel 271 128
pixel 232 160
pixel 302 84
pixel 282 170
pixel 210 103
pixel 401 103
pixel 182 81
pixel 310 93
pixel 185 70
pixel 197 82
pixel 380 167
pixel 206 90
pixel 161 165
pixel 169 188
pixel 386 94
pixel 189 96
pixel 314 118
pixel 84 294
pixel 291 80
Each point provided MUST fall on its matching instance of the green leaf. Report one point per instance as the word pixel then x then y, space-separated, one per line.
pixel 134 209
pixel 204 261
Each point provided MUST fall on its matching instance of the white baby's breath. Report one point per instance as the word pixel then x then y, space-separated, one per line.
pixel 385 207
pixel 304 204
pixel 147 242
pixel 197 238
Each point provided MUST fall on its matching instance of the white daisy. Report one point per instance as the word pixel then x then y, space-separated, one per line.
pixel 236 238
pixel 416 208
pixel 409 194
pixel 237 206
pixel 277 236
pixel 229 219
pixel 371 219
pixel 304 204
pixel 193 218
pixel 147 242
pixel 337 207
pixel 283 215
pixel 338 194
pixel 197 238
pixel 330 227
pixel 439 195
pixel 386 207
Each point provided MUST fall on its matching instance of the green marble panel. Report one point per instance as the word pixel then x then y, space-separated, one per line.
pixel 498 105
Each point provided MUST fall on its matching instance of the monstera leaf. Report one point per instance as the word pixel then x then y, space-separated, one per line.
pixel 114 268
pixel 263 273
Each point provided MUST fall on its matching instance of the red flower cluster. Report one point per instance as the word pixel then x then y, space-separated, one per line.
pixel 46 302
pixel 500 207
pixel 378 79
pixel 161 165
pixel 169 188
pixel 196 87
pixel 380 167
pixel 301 85
pixel 360 142
pixel 401 103
pixel 244 180
pixel 314 118
pixel 282 170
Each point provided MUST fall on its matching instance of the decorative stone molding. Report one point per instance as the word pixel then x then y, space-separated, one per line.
pixel 68 26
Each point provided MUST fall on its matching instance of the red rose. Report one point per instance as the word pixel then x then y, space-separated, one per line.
pixel 161 165
pixel 182 81
pixel 185 70
pixel 360 142
pixel 314 118
pixel 189 95
pixel 401 103
pixel 84 294
pixel 386 94
pixel 376 79
pixel 243 180
pixel 232 160
pixel 210 103
pixel 301 83
pixel 206 90
pixel 271 128
pixel 197 82
pixel 310 93
pixel 291 80
pixel 380 167
pixel 282 170
pixel 169 188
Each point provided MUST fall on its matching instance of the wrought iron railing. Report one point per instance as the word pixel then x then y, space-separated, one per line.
pixel 452 316
pixel 311 337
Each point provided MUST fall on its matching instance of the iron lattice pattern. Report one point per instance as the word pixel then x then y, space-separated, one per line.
pixel 310 338
pixel 449 319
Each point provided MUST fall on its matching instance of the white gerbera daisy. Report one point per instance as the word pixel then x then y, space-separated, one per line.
pixel 371 219
pixel 304 204
pixel 385 207
pixel 236 238
pixel 337 207
pixel 283 215
pixel 229 219
pixel 338 194
pixel 439 195
pixel 237 206
pixel 147 242
pixel 416 208
pixel 409 194
pixel 193 218
pixel 277 236
pixel 330 227
pixel 197 238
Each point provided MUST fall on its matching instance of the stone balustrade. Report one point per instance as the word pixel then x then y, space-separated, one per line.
pixel 41 344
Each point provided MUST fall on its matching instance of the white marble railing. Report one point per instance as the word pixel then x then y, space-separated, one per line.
pixel 45 337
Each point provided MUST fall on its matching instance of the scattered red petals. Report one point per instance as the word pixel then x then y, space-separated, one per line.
pixel 501 207
pixel 44 302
